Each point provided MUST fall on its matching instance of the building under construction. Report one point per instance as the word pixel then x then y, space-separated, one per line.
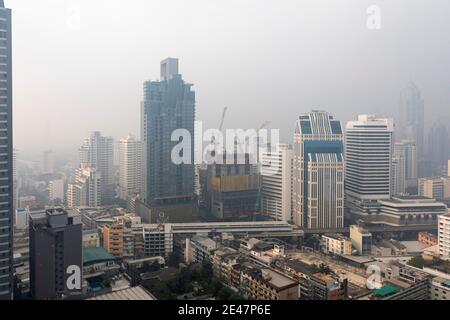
pixel 232 189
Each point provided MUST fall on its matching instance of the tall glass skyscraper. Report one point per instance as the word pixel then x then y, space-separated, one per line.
pixel 169 104
pixel 318 172
pixel 411 118
pixel 6 156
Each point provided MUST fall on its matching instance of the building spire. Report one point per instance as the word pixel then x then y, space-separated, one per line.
pixel 2 4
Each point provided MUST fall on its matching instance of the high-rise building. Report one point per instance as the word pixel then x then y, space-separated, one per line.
pixel 233 189
pixel 276 183
pixel 318 172
pixel 97 152
pixel 398 175
pixel 55 254
pixel 56 189
pixel 436 188
pixel 368 154
pixel 6 150
pixel 444 236
pixel 408 151
pixel 169 104
pixel 86 190
pixel 438 148
pixel 411 118
pixel 48 164
pixel 131 173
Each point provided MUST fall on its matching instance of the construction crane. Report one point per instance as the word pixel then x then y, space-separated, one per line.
pixel 213 140
pixel 223 118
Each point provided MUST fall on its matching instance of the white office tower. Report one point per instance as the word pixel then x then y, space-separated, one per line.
pixel 368 154
pixel 131 167
pixel 398 176
pixel 407 150
pixel 276 177
pixel 97 152
pixel 444 236
pixel 86 190
pixel 318 172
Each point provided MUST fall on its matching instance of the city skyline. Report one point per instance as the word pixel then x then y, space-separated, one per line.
pixel 283 151
pixel 352 72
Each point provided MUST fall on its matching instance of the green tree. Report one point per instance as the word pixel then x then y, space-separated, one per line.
pixel 417 262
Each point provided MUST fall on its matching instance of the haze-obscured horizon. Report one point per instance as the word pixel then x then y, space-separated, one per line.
pixel 264 60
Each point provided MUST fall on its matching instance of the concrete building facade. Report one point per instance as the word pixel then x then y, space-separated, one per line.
pixel 55 254
pixel 276 183
pixel 318 172
pixel 131 167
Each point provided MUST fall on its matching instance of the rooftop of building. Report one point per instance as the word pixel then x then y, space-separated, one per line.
pixel 134 293
pixel 442 282
pixel 223 251
pixel 404 198
pixel 323 277
pixel 390 244
pixel 386 291
pixel 411 201
pixel 55 217
pixel 262 246
pixel 96 255
pixel 300 266
pixel 337 236
pixel 277 279
pixel 358 259
pixel 204 241
pixel 414 246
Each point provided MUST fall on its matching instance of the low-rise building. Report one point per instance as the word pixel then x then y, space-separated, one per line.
pixel 361 240
pixel 390 247
pixel 267 284
pixel 321 286
pixel 444 236
pixel 97 262
pixel 199 249
pixel 411 210
pixel 403 211
pixel 157 239
pixel 428 238
pixel 336 244
pixel 314 284
pixel 91 239
pixel 440 289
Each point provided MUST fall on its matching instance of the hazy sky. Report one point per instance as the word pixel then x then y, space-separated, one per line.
pixel 264 59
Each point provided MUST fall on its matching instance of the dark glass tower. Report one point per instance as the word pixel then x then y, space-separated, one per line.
pixel 6 156
pixel 169 104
